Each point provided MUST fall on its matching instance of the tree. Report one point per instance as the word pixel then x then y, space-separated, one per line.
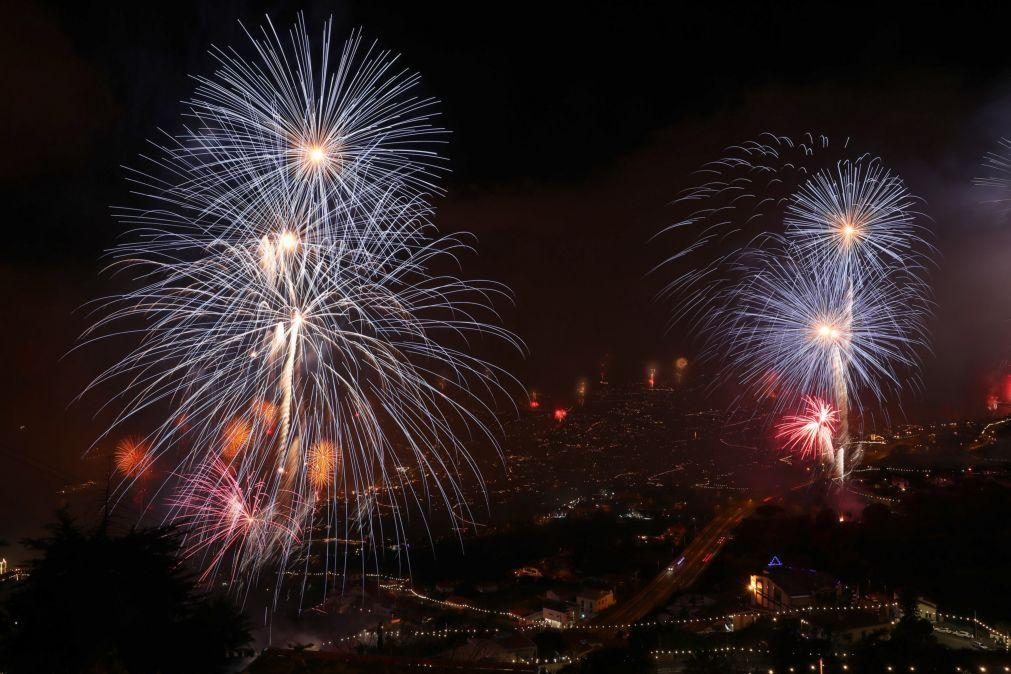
pixel 98 602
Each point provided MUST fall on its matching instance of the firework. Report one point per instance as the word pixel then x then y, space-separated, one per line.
pixel 816 274
pixel 236 435
pixel 810 434
pixel 331 126
pixel 132 456
pixel 996 182
pixel 816 327
pixel 292 285
pixel 858 217
pixel 324 459
pixel 264 412
pixel 223 516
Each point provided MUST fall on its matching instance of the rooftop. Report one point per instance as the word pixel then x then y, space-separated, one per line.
pixel 798 582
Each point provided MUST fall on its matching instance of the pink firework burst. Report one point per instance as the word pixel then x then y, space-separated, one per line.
pixel 224 516
pixel 809 435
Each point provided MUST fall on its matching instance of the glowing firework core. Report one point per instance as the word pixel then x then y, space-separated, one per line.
pixel 316 158
pixel 829 332
pixel 316 155
pixel 848 231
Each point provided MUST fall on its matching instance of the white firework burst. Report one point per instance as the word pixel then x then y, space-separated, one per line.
pixel 291 310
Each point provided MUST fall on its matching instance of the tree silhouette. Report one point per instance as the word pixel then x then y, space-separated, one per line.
pixel 98 602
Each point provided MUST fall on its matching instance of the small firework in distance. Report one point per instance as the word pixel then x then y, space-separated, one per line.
pixel 265 414
pixel 132 456
pixel 237 434
pixel 324 460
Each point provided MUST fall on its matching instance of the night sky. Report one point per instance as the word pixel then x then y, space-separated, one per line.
pixel 573 128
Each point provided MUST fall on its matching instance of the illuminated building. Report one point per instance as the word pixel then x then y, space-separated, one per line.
pixel 779 588
pixel 558 614
pixel 926 609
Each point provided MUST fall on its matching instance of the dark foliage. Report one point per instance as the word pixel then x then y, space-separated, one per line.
pixel 98 602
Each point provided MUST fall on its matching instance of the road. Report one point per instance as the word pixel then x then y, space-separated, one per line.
pixel 684 571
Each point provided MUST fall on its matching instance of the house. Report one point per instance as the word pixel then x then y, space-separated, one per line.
pixel 591 602
pixel 926 609
pixel 785 587
pixel 517 647
pixel 690 604
pixel 558 614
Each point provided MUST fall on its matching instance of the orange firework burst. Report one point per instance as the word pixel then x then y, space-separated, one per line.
pixel 235 436
pixel 323 459
pixel 132 456
pixel 265 413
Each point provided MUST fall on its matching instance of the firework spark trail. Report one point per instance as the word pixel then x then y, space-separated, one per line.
pixel 841 390
pixel 996 183
pixel 816 274
pixel 286 302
